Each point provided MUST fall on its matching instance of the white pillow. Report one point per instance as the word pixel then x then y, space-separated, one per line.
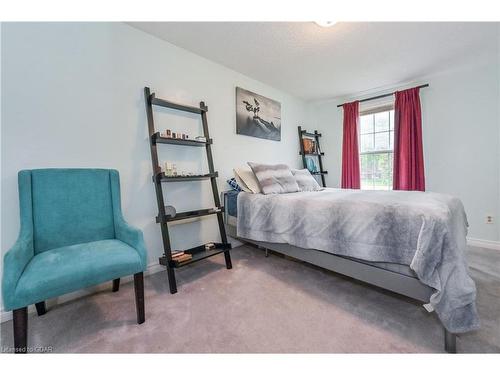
pixel 240 183
pixel 305 180
pixel 247 180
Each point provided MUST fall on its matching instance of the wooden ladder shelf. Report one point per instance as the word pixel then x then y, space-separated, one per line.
pixel 316 136
pixel 198 252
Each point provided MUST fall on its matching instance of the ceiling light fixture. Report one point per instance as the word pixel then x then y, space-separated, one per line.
pixel 325 23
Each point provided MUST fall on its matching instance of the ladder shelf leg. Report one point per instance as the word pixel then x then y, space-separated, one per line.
pixel 172 283
pixel 227 257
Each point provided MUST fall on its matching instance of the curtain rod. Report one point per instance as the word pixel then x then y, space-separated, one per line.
pixel 382 96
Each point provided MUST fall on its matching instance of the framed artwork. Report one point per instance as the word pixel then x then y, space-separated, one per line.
pixel 257 116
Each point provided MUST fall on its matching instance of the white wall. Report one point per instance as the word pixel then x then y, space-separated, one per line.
pixel 461 128
pixel 498 109
pixel 72 96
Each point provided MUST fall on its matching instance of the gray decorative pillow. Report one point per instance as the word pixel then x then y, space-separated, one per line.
pixel 305 180
pixel 274 179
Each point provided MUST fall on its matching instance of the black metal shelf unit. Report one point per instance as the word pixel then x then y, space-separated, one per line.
pixel 318 153
pixel 159 177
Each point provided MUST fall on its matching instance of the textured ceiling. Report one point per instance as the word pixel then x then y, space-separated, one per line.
pixel 316 63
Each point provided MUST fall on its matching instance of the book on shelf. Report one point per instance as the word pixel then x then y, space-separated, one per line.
pixel 177 253
pixel 182 258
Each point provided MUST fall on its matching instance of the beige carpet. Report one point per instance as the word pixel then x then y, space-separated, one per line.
pixel 262 305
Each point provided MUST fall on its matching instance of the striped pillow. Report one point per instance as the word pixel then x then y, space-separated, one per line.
pixel 305 180
pixel 274 179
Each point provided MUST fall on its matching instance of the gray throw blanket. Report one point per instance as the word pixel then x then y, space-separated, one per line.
pixel 426 231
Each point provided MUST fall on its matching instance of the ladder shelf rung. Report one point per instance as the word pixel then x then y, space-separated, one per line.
pixel 304 132
pixel 179 107
pixel 198 253
pixel 161 177
pixel 181 142
pixel 312 153
pixel 190 214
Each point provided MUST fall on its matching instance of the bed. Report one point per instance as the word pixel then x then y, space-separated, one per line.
pixel 303 226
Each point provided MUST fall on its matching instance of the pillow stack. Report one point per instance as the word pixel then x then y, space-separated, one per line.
pixel 273 179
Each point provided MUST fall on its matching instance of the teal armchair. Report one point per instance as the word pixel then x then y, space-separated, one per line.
pixel 72 236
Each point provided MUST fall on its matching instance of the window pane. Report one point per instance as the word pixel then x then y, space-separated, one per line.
pixel 366 184
pixel 391 119
pixel 367 171
pixel 367 142
pixel 366 125
pixel 382 121
pixel 382 171
pixel 389 177
pixel 381 166
pixel 367 165
pixel 391 140
pixel 382 141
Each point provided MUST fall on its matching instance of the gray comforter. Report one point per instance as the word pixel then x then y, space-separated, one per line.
pixel 426 231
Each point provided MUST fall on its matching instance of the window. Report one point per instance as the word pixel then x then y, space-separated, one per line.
pixel 376 140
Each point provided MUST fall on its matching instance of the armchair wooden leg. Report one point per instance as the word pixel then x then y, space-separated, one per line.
pixel 139 297
pixel 40 308
pixel 20 321
pixel 116 285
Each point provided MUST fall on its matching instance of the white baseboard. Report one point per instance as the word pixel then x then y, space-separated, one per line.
pixel 487 244
pixel 151 269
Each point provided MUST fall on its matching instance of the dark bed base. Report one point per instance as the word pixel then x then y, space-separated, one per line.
pixel 389 280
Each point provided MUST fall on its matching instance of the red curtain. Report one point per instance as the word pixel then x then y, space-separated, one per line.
pixel 350 151
pixel 408 149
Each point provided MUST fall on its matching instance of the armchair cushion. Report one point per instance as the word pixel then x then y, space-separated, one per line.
pixel 66 269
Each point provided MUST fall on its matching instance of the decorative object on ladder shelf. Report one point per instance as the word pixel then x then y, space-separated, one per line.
pixel 174 259
pixel 309 149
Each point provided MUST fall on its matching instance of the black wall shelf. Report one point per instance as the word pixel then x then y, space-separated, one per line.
pixel 181 142
pixel 318 153
pixel 190 214
pixel 312 153
pixel 198 252
pixel 180 107
pixel 162 178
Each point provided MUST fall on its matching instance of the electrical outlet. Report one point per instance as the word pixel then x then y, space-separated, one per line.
pixel 489 219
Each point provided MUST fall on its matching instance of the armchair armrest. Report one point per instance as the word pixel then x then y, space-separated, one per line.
pixel 20 254
pixel 123 231
pixel 132 237
pixel 14 263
